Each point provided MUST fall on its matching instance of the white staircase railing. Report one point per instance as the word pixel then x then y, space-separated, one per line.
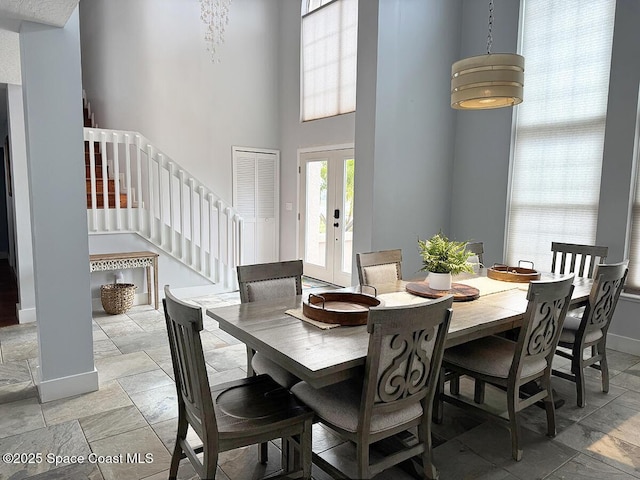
pixel 164 204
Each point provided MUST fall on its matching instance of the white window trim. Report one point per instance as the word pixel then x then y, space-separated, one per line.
pixel 632 195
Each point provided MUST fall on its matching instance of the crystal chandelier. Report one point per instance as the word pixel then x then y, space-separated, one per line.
pixel 487 81
pixel 215 15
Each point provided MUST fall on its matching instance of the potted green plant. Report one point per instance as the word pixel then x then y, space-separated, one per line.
pixel 443 258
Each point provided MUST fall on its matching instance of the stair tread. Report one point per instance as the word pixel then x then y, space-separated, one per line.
pixel 111 199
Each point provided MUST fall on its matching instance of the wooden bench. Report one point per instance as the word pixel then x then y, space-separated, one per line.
pixel 101 262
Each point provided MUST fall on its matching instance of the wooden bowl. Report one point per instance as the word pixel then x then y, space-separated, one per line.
pixel 505 273
pixel 344 308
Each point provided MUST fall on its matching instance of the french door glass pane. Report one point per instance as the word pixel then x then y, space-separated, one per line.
pixel 316 213
pixel 347 216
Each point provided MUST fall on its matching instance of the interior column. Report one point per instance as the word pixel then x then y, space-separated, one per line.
pixel 51 77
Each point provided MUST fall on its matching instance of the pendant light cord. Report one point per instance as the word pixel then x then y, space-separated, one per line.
pixel 490 35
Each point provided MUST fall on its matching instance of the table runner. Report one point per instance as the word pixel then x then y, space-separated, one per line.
pixel 487 286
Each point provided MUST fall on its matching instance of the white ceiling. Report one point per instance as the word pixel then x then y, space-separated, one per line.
pixel 13 12
pixel 49 12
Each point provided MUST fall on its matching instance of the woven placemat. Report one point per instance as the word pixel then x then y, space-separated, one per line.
pixel 297 312
pixel 487 286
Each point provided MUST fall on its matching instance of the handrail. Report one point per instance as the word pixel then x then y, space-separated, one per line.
pixel 165 204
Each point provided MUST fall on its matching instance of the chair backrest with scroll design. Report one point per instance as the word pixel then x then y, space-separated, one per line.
pixel 405 353
pixel 566 255
pixel 586 336
pixel 539 335
pixel 603 298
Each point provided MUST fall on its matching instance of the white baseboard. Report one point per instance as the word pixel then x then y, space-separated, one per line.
pixel 623 344
pixel 64 387
pixel 26 315
pixel 198 291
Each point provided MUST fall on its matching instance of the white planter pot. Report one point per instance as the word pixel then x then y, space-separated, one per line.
pixel 440 281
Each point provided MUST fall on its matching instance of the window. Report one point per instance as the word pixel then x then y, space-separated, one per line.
pixel 559 133
pixel 632 284
pixel 329 52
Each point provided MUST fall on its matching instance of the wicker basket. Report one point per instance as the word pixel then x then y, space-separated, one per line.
pixel 117 298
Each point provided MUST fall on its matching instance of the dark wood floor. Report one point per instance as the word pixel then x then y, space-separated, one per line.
pixel 8 295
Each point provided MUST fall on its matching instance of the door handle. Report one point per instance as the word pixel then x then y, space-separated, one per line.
pixel 336 224
pixel 336 214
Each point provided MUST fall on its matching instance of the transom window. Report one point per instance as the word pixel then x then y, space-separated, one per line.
pixel 329 53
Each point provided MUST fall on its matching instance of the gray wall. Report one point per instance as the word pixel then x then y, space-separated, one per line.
pixel 618 162
pixel 622 110
pixel 293 133
pixel 146 68
pixel 420 165
pixel 479 194
pixel 406 192
pixel 4 225
pixel 3 112
pixel 365 128
pixel 483 138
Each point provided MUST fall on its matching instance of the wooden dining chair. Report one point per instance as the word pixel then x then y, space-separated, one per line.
pixel 379 267
pixel 396 391
pixel 231 415
pixel 589 332
pixel 566 256
pixel 510 365
pixel 267 281
pixel 476 248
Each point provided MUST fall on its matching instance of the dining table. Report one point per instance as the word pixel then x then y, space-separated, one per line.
pixel 323 356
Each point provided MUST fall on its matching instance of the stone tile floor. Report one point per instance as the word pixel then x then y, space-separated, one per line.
pixel 134 412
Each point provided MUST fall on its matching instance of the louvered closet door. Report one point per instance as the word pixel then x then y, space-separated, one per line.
pixel 255 196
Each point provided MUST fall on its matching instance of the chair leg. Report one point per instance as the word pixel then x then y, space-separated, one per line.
pixel 604 369
pixel 438 404
pixel 478 391
pixel 454 384
pixel 305 450
pixel 424 437
pixel 264 453
pixel 550 408
pixel 250 354
pixel 181 434
pixel 578 371
pixel 285 457
pixel 362 460
pixel 210 465
pixel 512 399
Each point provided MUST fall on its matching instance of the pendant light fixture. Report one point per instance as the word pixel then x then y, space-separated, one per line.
pixel 493 80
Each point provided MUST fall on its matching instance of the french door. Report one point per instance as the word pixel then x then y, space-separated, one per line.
pixel 326 214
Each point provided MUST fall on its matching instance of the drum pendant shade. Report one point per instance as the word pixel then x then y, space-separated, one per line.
pixel 487 81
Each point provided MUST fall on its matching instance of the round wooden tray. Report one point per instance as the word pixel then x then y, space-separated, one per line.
pixel 512 274
pixel 460 291
pixel 344 308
